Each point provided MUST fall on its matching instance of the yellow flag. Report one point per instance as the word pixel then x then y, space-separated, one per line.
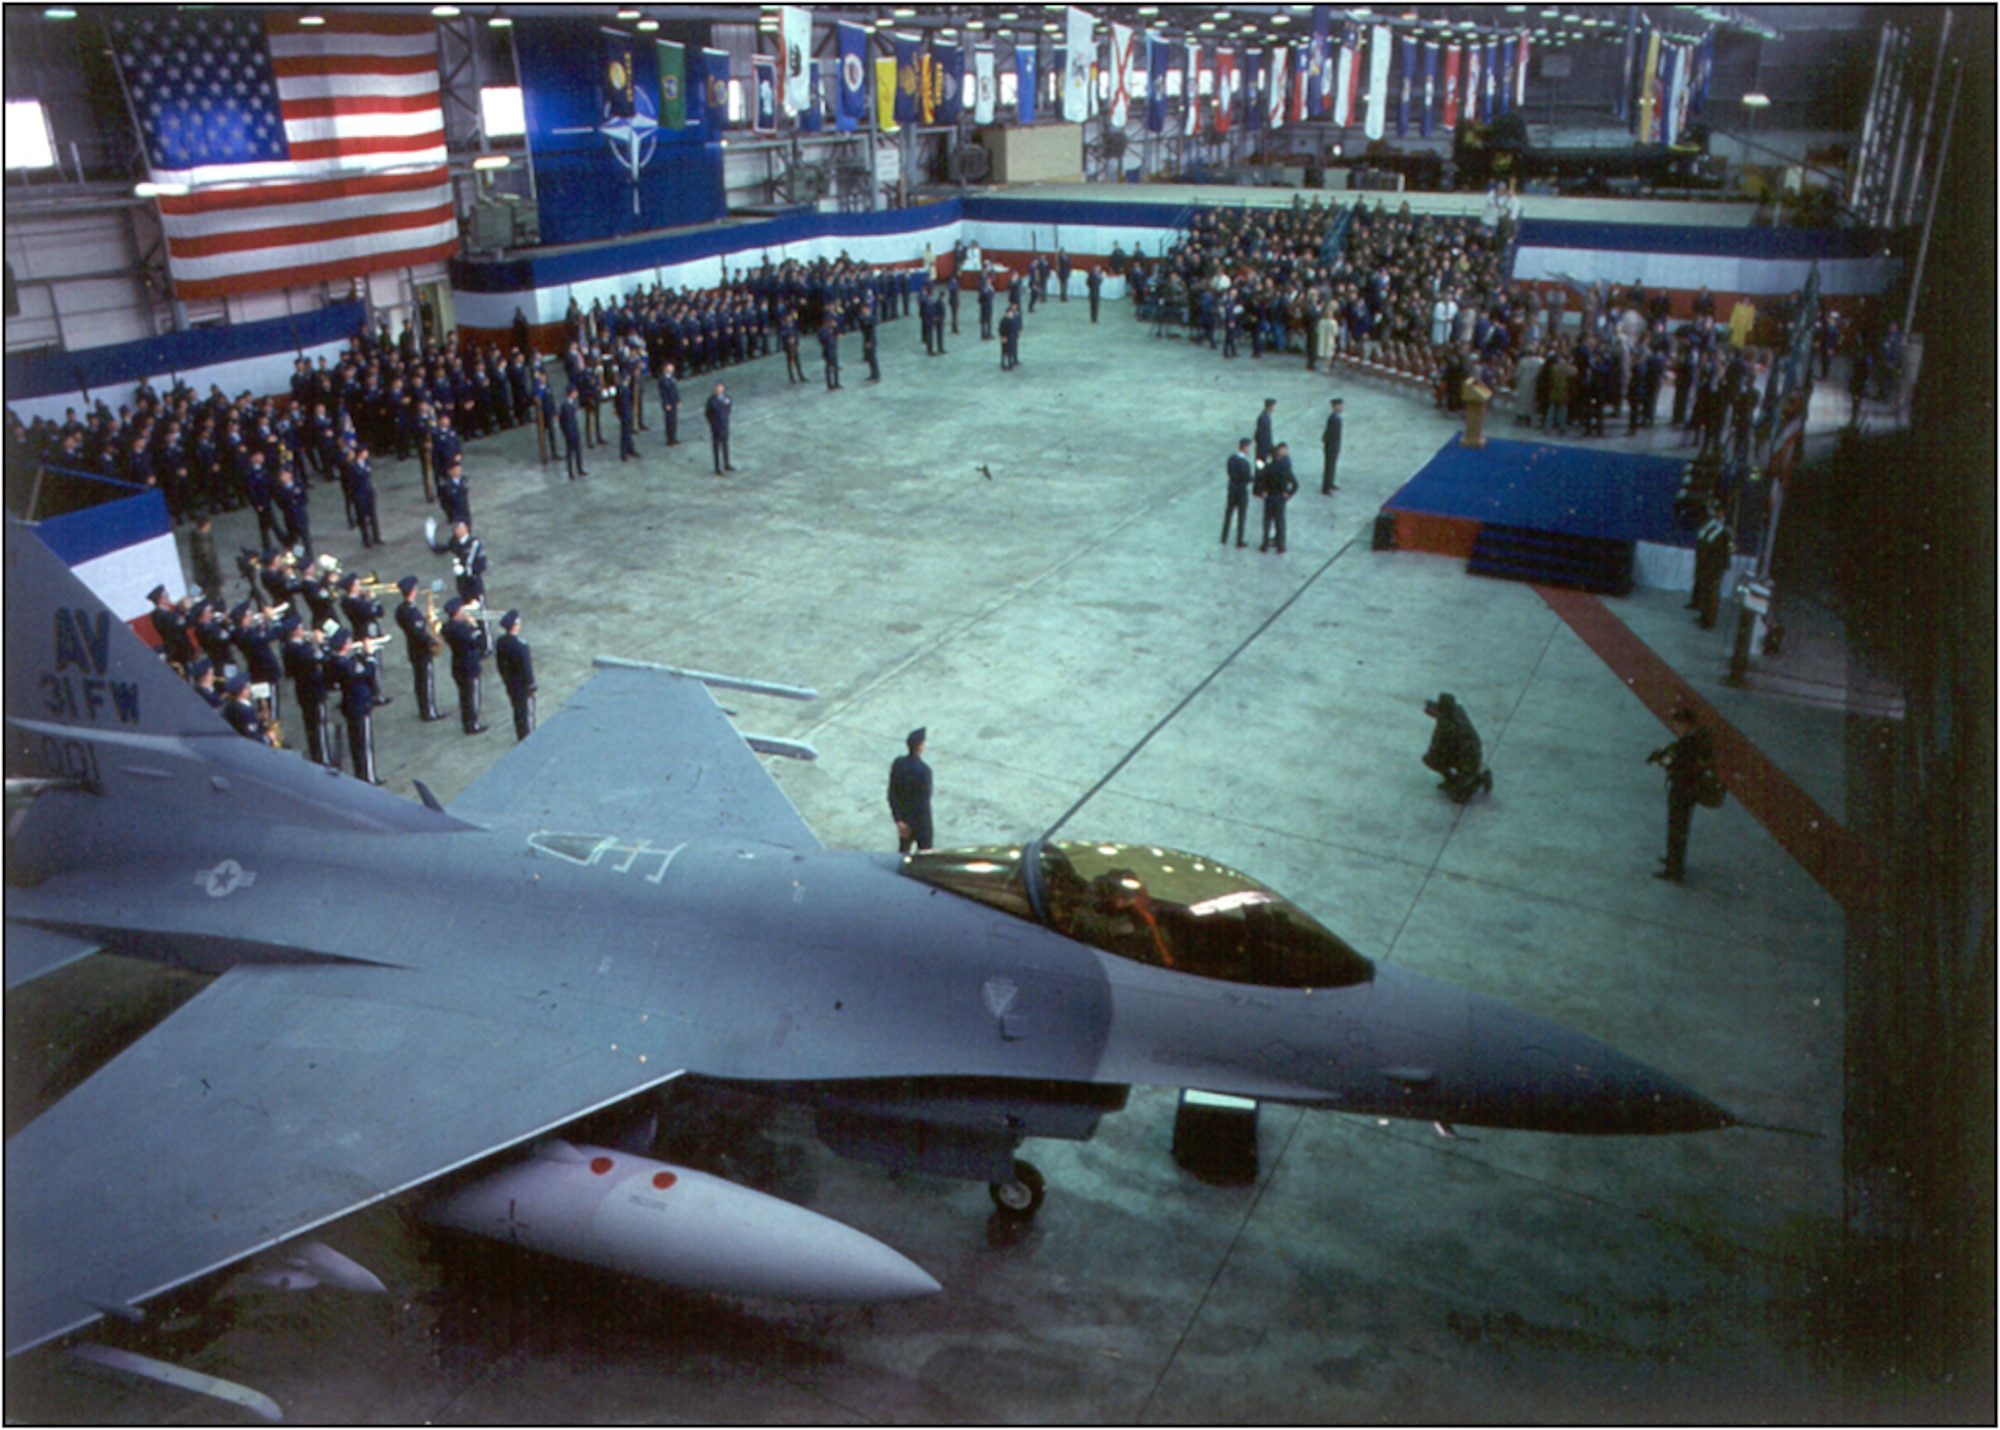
pixel 885 93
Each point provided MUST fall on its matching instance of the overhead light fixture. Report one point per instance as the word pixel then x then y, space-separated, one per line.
pixel 499 22
pixel 60 12
pixel 492 161
pixel 628 14
pixel 150 190
pixel 649 25
pixel 1206 25
pixel 904 14
pixel 312 19
pixel 1757 99
pixel 975 24
pixel 444 12
pixel 1281 19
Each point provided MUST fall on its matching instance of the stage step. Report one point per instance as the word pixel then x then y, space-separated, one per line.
pixel 1549 558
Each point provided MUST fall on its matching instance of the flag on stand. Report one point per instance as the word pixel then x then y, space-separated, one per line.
pixel 1281 70
pixel 1451 57
pixel 1301 81
pixel 1225 88
pixel 1253 100
pixel 311 154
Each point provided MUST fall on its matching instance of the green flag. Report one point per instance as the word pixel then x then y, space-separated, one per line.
pixel 673 85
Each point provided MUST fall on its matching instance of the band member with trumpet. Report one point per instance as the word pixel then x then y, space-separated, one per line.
pixel 468 557
pixel 357 673
pixel 305 663
pixel 467 639
pixel 257 642
pixel 422 642
pixel 516 664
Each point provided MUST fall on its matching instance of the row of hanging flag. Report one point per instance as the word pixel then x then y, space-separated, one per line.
pixel 1372 75
pixel 1663 83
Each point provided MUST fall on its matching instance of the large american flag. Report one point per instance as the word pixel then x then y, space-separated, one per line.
pixel 311 152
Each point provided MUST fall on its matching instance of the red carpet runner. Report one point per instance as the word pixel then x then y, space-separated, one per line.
pixel 1838 862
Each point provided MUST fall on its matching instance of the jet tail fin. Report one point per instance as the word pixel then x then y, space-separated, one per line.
pixel 88 703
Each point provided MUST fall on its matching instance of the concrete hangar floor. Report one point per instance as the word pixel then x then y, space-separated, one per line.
pixel 1041 621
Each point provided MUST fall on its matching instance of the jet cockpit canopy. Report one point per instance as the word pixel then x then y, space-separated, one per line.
pixel 1159 906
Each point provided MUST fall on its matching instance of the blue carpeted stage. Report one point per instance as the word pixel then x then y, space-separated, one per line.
pixel 1557 515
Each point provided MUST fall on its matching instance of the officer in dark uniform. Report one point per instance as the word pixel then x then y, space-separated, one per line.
pixel 454 492
pixel 1455 751
pixel 202 673
pixel 290 499
pixel 1241 475
pixel 171 627
pixel 420 642
pixel 514 661
pixel 572 436
pixel 1010 338
pixel 361 485
pixel 829 351
pixel 717 413
pixel 305 666
pixel 1688 760
pixel 1713 546
pixel 670 404
pixel 985 306
pixel 628 446
pixel 241 714
pixel 257 642
pixel 1265 442
pixel 1329 446
pixel 354 672
pixel 1279 486
pixel 1093 280
pixel 468 559
pixel 467 639
pixel 910 796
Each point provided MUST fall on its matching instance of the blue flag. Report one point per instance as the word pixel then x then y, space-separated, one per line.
pixel 1157 51
pixel 764 83
pixel 853 106
pixel 1430 85
pixel 810 118
pixel 1319 58
pixel 950 61
pixel 907 78
pixel 1025 79
pixel 1253 69
pixel 715 80
pixel 1407 49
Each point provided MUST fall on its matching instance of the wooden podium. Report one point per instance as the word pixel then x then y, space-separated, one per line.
pixel 1476 395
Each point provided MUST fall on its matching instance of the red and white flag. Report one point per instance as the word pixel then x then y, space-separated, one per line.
pixel 311 153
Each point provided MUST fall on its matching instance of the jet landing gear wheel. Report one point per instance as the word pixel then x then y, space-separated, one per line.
pixel 1021 1196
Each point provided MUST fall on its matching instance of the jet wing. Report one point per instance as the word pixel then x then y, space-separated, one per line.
pixel 639 751
pixel 277 1099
